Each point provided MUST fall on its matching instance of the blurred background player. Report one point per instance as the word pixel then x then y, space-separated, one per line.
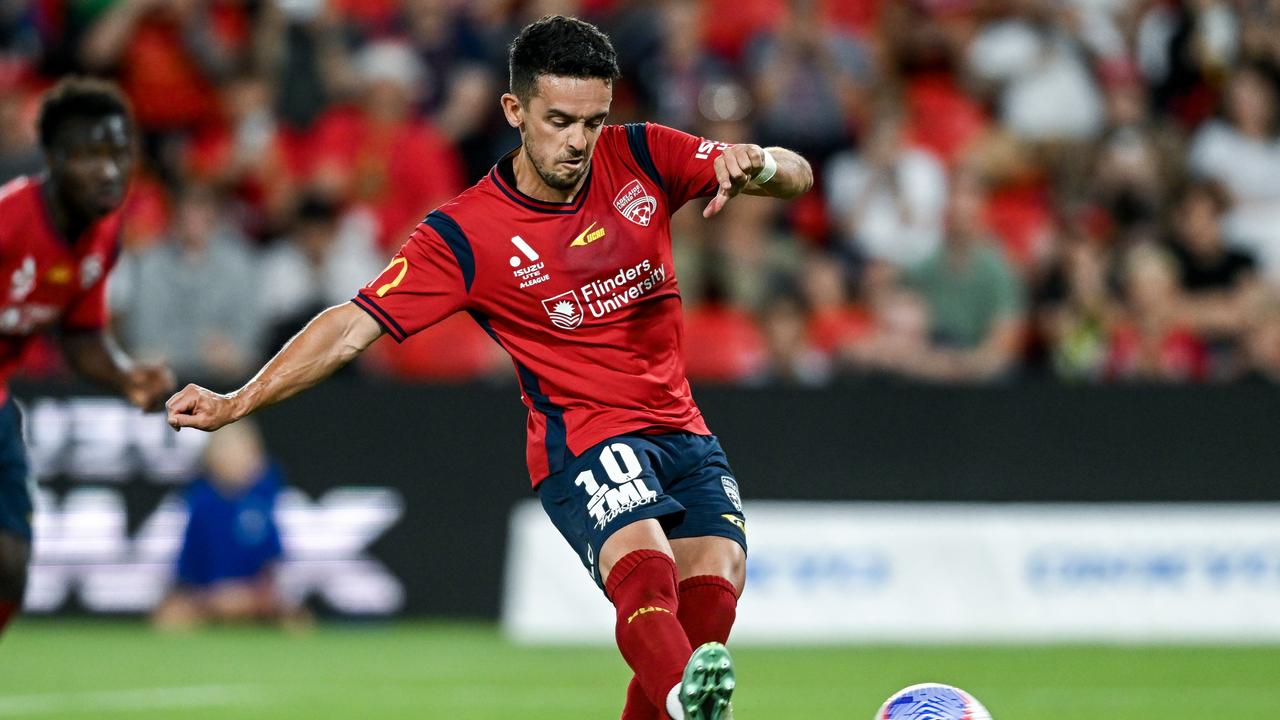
pixel 231 548
pixel 59 237
pixel 563 255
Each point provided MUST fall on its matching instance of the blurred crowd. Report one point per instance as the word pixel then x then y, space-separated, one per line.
pixel 1081 189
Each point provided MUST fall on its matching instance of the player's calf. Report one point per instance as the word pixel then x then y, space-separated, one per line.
pixel 642 586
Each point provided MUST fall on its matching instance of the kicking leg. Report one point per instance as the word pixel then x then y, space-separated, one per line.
pixel 641 580
pixel 712 573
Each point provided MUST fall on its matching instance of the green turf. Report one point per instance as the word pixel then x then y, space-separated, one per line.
pixel 51 669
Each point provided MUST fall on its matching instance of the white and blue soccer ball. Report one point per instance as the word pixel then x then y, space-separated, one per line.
pixel 932 701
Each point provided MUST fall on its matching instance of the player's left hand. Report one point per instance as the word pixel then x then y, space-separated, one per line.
pixel 734 169
pixel 146 385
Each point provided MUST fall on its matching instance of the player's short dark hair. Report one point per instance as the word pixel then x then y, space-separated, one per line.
pixel 559 45
pixel 79 98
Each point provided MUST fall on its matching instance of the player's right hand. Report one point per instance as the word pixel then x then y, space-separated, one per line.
pixel 200 408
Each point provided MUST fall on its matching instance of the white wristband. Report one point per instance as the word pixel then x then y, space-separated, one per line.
pixel 768 171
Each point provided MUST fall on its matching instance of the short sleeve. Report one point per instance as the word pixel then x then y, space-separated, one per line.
pixel 685 163
pixel 88 312
pixel 426 282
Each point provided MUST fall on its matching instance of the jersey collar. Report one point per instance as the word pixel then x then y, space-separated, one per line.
pixel 503 176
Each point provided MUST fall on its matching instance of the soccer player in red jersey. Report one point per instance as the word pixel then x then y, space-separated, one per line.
pixel 59 237
pixel 563 255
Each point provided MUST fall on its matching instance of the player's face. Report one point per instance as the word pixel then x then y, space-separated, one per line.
pixel 560 124
pixel 91 161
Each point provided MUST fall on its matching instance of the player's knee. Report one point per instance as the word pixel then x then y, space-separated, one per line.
pixel 715 555
pixel 734 568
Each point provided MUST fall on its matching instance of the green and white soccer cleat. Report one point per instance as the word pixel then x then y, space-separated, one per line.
pixel 708 684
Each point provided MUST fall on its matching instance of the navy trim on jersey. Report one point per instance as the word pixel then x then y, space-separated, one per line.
pixel 638 139
pixel 556 442
pixel 451 231
pixel 380 316
pixel 557 435
pixel 508 188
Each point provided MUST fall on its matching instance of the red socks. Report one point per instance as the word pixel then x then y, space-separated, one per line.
pixel 7 611
pixel 642 586
pixel 707 609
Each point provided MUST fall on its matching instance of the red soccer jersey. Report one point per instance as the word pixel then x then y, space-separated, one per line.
pixel 44 280
pixel 582 295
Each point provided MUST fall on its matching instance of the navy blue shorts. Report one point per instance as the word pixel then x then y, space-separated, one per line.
pixel 15 488
pixel 681 479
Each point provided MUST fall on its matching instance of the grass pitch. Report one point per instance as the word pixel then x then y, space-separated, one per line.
pixel 78 670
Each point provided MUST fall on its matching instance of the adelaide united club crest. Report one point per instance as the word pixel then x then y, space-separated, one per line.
pixel 635 204
pixel 564 310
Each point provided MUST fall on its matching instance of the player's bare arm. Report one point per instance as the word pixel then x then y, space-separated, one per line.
pixel 751 169
pixel 332 339
pixel 95 356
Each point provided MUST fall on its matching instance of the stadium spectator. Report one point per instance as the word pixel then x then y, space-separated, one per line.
pixel 887 201
pixel 304 47
pixel 315 266
pixel 723 343
pixel 189 299
pixel 834 321
pixel 1095 104
pixel 792 356
pixel 381 153
pixel 1075 308
pixel 1151 341
pixel 1182 48
pixel 19 38
pixel 1221 289
pixel 898 324
pixel 1262 345
pixel 681 81
pixel 1242 152
pixel 975 301
pixel 921 47
pixel 246 152
pixel 1042 82
pixel 1017 208
pixel 457 84
pixel 1260 33
pixel 227 567
pixel 809 78
pixel 19 151
pixel 1133 160
pixel 170 57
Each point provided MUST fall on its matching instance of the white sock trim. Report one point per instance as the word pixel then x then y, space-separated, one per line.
pixel 674 708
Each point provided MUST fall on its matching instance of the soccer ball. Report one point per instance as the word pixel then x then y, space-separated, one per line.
pixel 932 701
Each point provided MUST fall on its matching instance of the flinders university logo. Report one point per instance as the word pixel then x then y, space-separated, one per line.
pixel 635 204
pixel 564 310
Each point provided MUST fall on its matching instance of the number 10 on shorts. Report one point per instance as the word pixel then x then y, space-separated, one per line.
pixel 628 491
